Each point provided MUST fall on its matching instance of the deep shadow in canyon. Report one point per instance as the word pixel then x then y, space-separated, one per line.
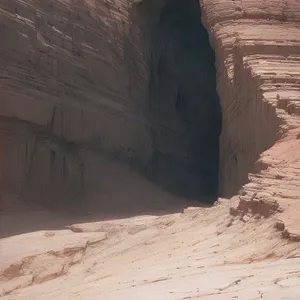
pixel 184 108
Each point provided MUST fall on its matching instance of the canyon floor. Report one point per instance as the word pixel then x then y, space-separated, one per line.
pixel 231 250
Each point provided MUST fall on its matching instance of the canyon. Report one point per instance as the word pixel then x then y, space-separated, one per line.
pixel 150 149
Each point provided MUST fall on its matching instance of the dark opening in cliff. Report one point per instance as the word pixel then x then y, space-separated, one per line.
pixel 184 109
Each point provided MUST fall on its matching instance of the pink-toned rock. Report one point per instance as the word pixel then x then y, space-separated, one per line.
pixel 65 77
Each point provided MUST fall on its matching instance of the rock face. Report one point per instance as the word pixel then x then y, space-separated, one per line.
pixel 133 80
pixel 136 80
pixel 66 81
pixel 125 78
pixel 256 47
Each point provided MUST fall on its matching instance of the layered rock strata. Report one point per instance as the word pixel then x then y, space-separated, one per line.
pixel 257 48
pixel 134 80
pixel 77 74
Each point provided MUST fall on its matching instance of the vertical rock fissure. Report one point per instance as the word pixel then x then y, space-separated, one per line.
pixel 184 108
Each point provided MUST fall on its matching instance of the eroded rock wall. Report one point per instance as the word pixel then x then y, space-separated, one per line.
pixel 257 47
pixel 109 75
pixel 81 74
pixel 70 74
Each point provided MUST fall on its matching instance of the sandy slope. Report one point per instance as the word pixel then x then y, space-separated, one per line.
pixel 189 254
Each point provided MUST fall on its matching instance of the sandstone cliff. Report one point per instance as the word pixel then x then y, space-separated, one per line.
pixel 66 82
pixel 135 81
pixel 257 47
pixel 115 76
pixel 99 75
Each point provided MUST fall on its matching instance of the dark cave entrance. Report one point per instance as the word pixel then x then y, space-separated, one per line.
pixel 184 108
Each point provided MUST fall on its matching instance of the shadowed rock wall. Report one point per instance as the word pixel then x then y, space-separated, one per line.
pixel 184 106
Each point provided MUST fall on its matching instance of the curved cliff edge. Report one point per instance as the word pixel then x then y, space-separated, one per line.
pixel 257 50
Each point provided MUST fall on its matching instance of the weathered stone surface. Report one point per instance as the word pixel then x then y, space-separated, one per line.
pixel 64 80
pixel 257 49
pixel 200 253
pixel 107 75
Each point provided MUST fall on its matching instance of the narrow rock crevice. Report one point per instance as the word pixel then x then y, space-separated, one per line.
pixel 184 109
